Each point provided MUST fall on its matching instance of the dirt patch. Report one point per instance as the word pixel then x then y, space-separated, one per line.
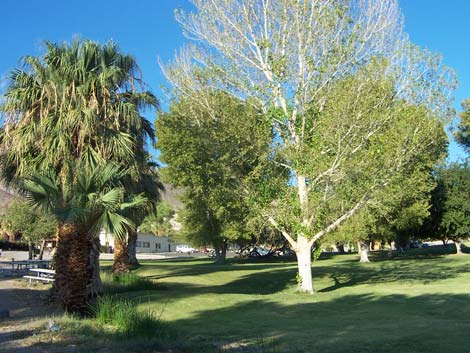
pixel 29 309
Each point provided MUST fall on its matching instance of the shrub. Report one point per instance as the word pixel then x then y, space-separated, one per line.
pixel 124 316
pixel 126 282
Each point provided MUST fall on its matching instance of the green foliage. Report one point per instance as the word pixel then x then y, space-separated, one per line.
pixel 316 253
pixel 91 197
pixel 78 101
pixel 455 180
pixel 353 150
pixel 159 223
pixel 450 204
pixel 462 135
pixel 33 224
pixel 80 104
pixel 126 282
pixel 125 317
pixel 214 152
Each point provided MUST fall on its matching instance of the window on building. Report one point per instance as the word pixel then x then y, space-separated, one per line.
pixel 138 244
pixel 158 246
pixel 145 244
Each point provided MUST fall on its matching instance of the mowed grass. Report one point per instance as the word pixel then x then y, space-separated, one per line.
pixel 405 304
pixel 415 302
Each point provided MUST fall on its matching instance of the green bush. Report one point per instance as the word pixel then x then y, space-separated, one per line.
pixel 126 282
pixel 124 316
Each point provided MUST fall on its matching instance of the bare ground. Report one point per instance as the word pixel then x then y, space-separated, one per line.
pixel 29 313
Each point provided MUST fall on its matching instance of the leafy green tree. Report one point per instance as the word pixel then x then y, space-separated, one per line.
pixel 144 181
pixel 462 134
pixel 213 153
pixel 35 226
pixel 400 212
pixel 77 103
pixel 354 104
pixel 455 221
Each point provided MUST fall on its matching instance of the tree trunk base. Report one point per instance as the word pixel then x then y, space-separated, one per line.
pixel 121 257
pixel 304 265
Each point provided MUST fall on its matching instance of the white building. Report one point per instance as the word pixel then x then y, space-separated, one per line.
pixel 146 243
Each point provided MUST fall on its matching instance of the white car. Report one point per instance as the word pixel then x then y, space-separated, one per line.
pixel 185 249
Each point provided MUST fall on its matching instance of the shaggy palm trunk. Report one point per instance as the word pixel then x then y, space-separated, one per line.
pixel 73 271
pixel 131 247
pixel 304 264
pixel 95 286
pixel 458 247
pixel 121 257
pixel 363 251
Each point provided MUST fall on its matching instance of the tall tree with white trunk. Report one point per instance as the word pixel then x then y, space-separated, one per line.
pixel 352 102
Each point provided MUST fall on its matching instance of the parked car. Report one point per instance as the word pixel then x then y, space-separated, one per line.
pixel 415 244
pixel 185 249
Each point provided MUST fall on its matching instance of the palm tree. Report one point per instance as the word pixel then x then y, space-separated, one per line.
pixel 146 182
pixel 84 202
pixel 78 103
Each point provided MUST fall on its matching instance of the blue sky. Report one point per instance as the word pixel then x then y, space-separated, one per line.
pixel 147 30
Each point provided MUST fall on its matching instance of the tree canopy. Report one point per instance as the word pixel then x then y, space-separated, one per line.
pixel 353 103
pixel 212 152
pixel 462 134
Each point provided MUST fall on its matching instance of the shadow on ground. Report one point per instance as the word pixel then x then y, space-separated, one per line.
pixel 352 323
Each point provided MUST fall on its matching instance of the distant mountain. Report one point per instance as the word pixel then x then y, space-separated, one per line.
pixel 172 196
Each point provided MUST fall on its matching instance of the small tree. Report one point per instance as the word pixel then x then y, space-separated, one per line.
pixel 35 226
pixel 84 203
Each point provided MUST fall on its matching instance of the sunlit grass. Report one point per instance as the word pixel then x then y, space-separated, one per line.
pixel 388 305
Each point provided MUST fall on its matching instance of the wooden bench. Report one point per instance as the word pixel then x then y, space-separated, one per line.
pixel 42 274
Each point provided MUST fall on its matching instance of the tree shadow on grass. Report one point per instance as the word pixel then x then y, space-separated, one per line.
pixel 363 323
pixel 353 323
pixel 266 279
pixel 200 269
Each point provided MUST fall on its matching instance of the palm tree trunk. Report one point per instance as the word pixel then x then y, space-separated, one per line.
pixel 131 247
pixel 121 257
pixel 72 268
pixel 95 286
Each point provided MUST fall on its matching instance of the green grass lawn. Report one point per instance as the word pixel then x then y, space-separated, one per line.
pixel 416 302
pixel 406 304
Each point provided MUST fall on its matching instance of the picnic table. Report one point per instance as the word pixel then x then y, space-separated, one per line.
pixel 29 264
pixel 41 274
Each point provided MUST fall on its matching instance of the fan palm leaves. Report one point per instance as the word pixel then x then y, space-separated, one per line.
pixel 94 201
pixel 78 101
pixel 67 114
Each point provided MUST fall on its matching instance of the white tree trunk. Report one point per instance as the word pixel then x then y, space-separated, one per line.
pixel 364 251
pixel 458 247
pixel 304 263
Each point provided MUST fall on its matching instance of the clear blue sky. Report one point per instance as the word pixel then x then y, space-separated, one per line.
pixel 147 30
